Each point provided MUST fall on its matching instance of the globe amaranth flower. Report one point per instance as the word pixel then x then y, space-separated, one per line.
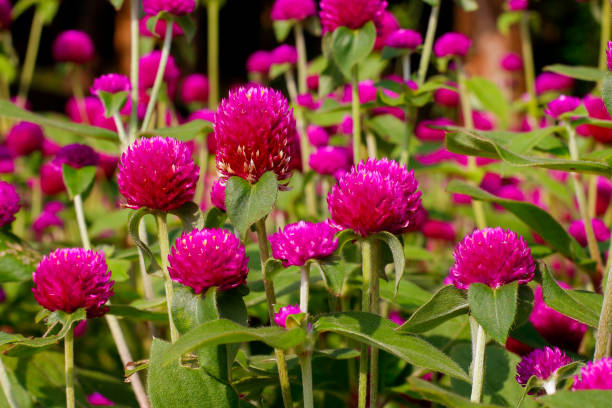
pixel 6 8
pixel 331 160
pixel 578 231
pixel 7 160
pixel 77 155
pixel 543 363
pixel 73 46
pixel 48 218
pixel 396 317
pixel 157 173
pixel 317 135
pixel 160 28
pixel 259 62
pixel 594 376
pixel 492 256
pixel 299 242
pixel 353 14
pixel 551 81
pixel 512 62
pixel 217 194
pixel 280 318
pixel 205 258
pixel 99 400
pixel 367 92
pixel 604 195
pixel 437 229
pixel 24 138
pixel 147 71
pixel 176 7
pixel 385 24
pixel 609 55
pixel 561 105
pixel 195 88
pixel 510 192
pixel 447 97
pixel 375 196
pixel 483 120
pixel 93 110
pixel 255 132
pixel 284 54
pixel 404 39
pixel 597 110
pixel 73 278
pixel 452 45
pixel 517 5
pixel 424 131
pixel 9 203
pixel 293 10
pixel 110 83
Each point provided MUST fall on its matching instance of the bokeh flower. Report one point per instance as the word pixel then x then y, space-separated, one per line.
pixel 552 82
pixel 562 104
pixel 9 203
pixel 385 24
pixel 404 39
pixel 594 376
pixel 425 132
pixel 317 135
pixel 259 62
pixel 99 400
pixel 176 7
pixel 284 54
pixel 280 318
pixel 512 62
pixel 6 8
pixel 447 97
pixel 73 46
pixel 517 5
pixel 217 194
pixel 195 88
pixel 160 28
pixel 77 155
pixel 147 70
pixel 24 138
pixel 578 231
pixel 543 363
pixel 452 45
pixel 299 242
pixel 111 83
pixel 331 160
pixel 437 229
pixel 353 14
pixel 293 10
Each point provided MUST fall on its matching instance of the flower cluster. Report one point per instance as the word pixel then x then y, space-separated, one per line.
pixel 302 241
pixel 9 203
pixel 543 363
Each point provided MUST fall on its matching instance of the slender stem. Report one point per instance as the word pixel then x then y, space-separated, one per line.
pixel 121 131
pixel 366 291
pixel 5 382
pixel 300 45
pixel 429 40
pixel 80 216
pixel 304 288
pixel 356 116
pixel 203 163
pixel 371 144
pixel 79 94
pixel 27 71
pixel 161 70
pixel 164 251
pixel 264 254
pixel 291 85
pixel 592 196
pixel 605 33
pixel 212 7
pixel 374 309
pixel 146 278
pixel 478 364
pixel 306 365
pixel 134 57
pixel 69 367
pixel 529 67
pixel 406 67
pixel 603 331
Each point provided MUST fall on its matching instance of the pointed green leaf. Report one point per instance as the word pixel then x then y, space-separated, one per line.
pixel 78 181
pixel 445 304
pixel 506 20
pixel 593 74
pixel 117 3
pixel 188 26
pixel 431 392
pixel 397 250
pixel 468 5
pixel 185 132
pixel 17 260
pixel 113 102
pixel 190 215
pixel 214 218
pixel 491 97
pixel 573 399
pixel 494 309
pixel 349 47
pixel 282 28
pixel 137 314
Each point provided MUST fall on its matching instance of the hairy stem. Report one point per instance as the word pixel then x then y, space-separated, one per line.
pixel 432 25
pixel 29 63
pixel 602 336
pixel 80 216
pixel 212 7
pixel 164 251
pixel 605 33
pixel 529 68
pixel 304 288
pixel 478 364
pixel 374 309
pixel 306 366
pixel 69 367
pixel 356 116
pixel 5 382
pixel 121 131
pixel 366 291
pixel 134 57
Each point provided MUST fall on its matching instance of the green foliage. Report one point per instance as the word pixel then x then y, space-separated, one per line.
pixel 17 260
pixel 584 73
pixel 349 47
pixel 113 102
pixel 78 181
pixel 494 309
pixel 491 97
pixel 446 303
pixel 572 399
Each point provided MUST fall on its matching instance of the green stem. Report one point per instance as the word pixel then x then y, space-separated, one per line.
pixel 80 216
pixel 304 288
pixel 69 367
pixel 264 254
pixel 605 33
pixel 529 67
pixel 164 251
pixel 212 7
pixel 291 85
pixel 602 337
pixel 6 386
pixel 427 47
pixel 79 94
pixel 374 309
pixel 306 365
pixel 159 77
pixel 356 116
pixel 134 57
pixel 121 132
pixel 203 163
pixel 478 364
pixel 27 71
pixel 371 145
pixel 300 45
pixel 366 291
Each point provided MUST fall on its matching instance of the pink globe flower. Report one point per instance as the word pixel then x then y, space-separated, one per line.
pixel 111 83
pixel 77 155
pixel 280 318
pixel 353 14
pixel 94 111
pixel 577 230
pixel 437 229
pixel 604 195
pixel 317 135
pixel 517 5
pixel 512 62
pixel 195 89
pixel 48 218
pixel 492 256
pixel 452 45
pixel 404 39
pixel 367 92
pixel 99 400
pixel 176 7
pixel 147 70
pixel 543 363
pixel 7 162
pixel 205 258
pixel 597 110
pixel 308 101
pixel 9 203
pixel 217 194
pixel 331 160
pixel 425 132
pixel 594 376
pixel 375 196
pixel 396 317
pixel 509 192
pixel 293 10
pixel 562 104
pixel 72 278
pixel 284 54
pixel 6 8
pixel 157 173
pixel 255 132
pixel 160 28
pixel 24 138
pixel 312 82
pixel 386 24
pixel 299 242
pixel 108 164
pixel 259 62
pixel 609 55
pixel 550 81
pixel 73 46
pixel 80 329
pixel 51 180
pixel 447 97
pixel 483 120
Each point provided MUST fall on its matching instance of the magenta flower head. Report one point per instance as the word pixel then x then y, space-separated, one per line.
pixel 609 55
pixel 438 229
pixel 317 135
pixel 24 138
pixel 99 400
pixel 73 46
pixel 195 89
pixel 424 131
pixel 9 203
pixel 147 70
pixel 73 278
pixel 561 105
pixel 160 28
pixel 577 230
pixel 492 256
pixel 551 81
pixel 595 376
pixel 302 241
pixel 205 258
pixel 447 97
pixel 111 83
pixel 293 10
pixel 259 62
pixel 331 160
pixel 280 318
pixel 543 363
pixel 284 54
pixel 217 194
pixel 512 62
pixel 176 7
pixel 77 155
pixel 375 196
pixel 404 39
pixel 517 5
pixel 353 14
pixel 385 24
pixel 255 132
pixel 452 45
pixel 6 8
pixel 157 173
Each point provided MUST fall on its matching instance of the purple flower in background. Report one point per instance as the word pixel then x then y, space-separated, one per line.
pixel 543 363
pixel 596 109
pixel 425 132
pixel 353 14
pixel 259 62
pixel 317 135
pixel 517 5
pixel 492 256
pixel 100 400
pixel 9 203
pixel 6 8
pixel 604 195
pixel 77 155
pixel 578 231
pixel 94 112
pixel 147 70
pixel 405 39
pixel 437 229
pixel 176 7
pixel 217 194
pixel 47 218
pixel 293 9
pixel 367 92
pixel 385 24
pixel 299 242
pixel 205 258
pixel 452 45
pixel 483 120
pixel 195 88
pixel 111 83
pixel 284 54
pixel 447 97
pixel 561 105
pixel 280 318
pixel 512 62
pixel 595 376
pixel 551 81
pixel 160 28
pixel 73 46
pixel 7 162
pixel 331 160
pixel 396 317
pixel 24 138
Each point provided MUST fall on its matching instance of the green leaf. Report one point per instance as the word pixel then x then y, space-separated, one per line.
pixel 432 392
pixel 186 132
pixel 334 275
pixel 137 314
pixel 379 332
pixel 113 102
pixel 277 70
pixel 389 127
pixel 606 91
pixel 21 6
pixel 491 98
pixel 134 221
pixel 349 47
pixel 119 269
pixel 248 203
pixel 117 3
pixel 532 383
pixel 397 250
pixel 214 218
pixel 409 296
pixel 506 20
pixel 282 28
pixel 432 2
pixel 573 399
pixel 593 74
pixel 190 215
pixel 17 260
pixel 494 309
pixel 78 181
pixel 188 26
pixel 445 304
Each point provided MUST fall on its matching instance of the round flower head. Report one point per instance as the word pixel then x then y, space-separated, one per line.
pixel 452 45
pixel 447 97
pixel 293 9
pixel 517 5
pixel 352 14
pixel 147 70
pixel 160 28
pixel 302 241
pixel 424 131
pixel 543 363
pixel 205 258
pixel 385 24
pixel 375 196
pixel 259 62
pixel 280 318
pixel 176 7
pixel 367 92
pixel 73 46
pixel 577 230
pixel 9 203
pixel 561 105
pixel 331 160
pixel 512 62
pixel 99 400
pixel 157 173
pixel 596 109
pixel 551 81
pixel 195 89
pixel 492 256
pixel 51 180
pixel 609 55
pixel 317 135
pixel 94 111
pixel 77 155
pixel 437 229
pixel 48 218
pixel 6 8
pixel 7 160
pixel 595 376
pixel 405 39
pixel 24 138
pixel 604 195
pixel 72 278
pixel 284 54
pixel 111 83
pixel 217 194
pixel 255 132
